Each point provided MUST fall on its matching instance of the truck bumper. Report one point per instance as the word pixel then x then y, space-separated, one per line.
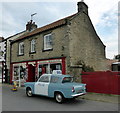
pixel 76 95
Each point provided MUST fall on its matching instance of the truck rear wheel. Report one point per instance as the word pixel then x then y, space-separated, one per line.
pixel 59 98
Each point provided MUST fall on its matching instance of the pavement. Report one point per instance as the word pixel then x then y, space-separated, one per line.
pixel 110 98
pixel 102 97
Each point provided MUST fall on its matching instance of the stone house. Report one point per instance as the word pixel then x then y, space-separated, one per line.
pixel 8 52
pixel 29 27
pixel 69 44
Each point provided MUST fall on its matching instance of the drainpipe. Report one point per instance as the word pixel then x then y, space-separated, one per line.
pixel 2 70
pixel 10 60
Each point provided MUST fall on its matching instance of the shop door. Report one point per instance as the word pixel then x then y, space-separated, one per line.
pixel 31 73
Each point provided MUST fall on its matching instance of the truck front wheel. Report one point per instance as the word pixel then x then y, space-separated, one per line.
pixel 29 92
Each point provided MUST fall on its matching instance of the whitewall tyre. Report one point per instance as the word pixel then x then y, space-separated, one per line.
pixel 59 98
pixel 29 92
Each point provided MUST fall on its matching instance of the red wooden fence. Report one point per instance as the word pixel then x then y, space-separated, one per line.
pixel 102 82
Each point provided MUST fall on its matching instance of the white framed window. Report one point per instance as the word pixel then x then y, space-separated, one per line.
pixel 21 48
pixel 33 43
pixel 48 42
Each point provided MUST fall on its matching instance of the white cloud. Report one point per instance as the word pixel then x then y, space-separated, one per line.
pixel 40 0
pixel 103 14
pixel 98 7
pixel 0 16
pixel 111 42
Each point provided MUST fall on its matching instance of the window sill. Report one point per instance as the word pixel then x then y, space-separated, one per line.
pixel 47 50
pixel 32 52
pixel 20 55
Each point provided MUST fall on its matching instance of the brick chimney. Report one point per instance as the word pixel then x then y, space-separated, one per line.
pixel 82 7
pixel 30 26
pixel 1 39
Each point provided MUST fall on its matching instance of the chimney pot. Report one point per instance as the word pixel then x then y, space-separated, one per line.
pixel 30 26
pixel 82 7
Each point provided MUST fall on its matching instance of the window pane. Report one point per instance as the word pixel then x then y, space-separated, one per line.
pixel 33 46
pixel 48 41
pixel 44 79
pixel 67 79
pixel 54 79
pixel 21 48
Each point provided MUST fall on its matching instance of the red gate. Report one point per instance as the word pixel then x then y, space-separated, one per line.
pixel 102 82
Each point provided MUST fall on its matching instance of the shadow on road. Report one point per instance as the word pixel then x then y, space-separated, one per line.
pixel 67 101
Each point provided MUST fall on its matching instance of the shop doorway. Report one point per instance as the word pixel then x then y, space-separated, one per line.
pixel 31 73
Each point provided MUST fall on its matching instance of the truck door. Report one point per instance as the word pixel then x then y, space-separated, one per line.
pixel 41 86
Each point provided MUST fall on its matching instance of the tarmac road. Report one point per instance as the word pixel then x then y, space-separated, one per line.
pixel 18 101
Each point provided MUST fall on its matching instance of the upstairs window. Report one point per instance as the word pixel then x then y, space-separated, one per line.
pixel 21 48
pixel 48 42
pixel 33 43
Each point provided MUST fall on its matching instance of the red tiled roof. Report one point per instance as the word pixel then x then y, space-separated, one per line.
pixel 44 28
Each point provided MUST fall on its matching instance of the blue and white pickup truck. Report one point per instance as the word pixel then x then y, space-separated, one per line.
pixel 56 86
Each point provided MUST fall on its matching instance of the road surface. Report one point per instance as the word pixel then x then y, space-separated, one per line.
pixel 18 101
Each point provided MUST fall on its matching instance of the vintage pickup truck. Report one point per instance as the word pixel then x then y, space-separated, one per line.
pixel 56 86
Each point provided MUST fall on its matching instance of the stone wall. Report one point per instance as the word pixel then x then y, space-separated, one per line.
pixel 60 46
pixel 85 45
pixel 9 40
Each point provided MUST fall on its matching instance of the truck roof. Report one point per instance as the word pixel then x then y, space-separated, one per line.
pixel 59 75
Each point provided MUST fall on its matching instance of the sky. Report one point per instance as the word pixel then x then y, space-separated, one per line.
pixel 14 14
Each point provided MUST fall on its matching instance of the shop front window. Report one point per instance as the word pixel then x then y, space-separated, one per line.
pixel 43 69
pixel 40 70
pixel 48 68
pixel 55 67
pixel 16 73
pixel 19 74
pixel 22 72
